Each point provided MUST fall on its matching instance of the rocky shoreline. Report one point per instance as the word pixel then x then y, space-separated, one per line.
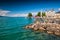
pixel 51 28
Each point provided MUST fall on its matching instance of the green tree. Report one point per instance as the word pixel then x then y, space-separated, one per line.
pixel 43 14
pixel 30 15
pixel 39 14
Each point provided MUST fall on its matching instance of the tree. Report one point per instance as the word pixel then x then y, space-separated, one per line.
pixel 39 14
pixel 43 14
pixel 30 15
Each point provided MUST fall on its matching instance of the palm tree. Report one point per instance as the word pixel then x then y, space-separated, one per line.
pixel 43 14
pixel 30 15
pixel 39 14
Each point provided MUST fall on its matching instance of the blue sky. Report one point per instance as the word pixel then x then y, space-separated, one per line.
pixel 26 6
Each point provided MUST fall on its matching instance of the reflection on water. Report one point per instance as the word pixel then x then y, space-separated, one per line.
pixel 12 29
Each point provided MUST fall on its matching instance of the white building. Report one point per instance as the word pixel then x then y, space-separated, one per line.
pixel 57 15
pixel 50 13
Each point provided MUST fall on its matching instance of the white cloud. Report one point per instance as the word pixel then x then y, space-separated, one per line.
pixel 18 15
pixel 59 9
pixel 34 13
pixel 3 12
pixel 21 15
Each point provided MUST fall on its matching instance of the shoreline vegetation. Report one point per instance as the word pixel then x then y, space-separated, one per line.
pixel 49 27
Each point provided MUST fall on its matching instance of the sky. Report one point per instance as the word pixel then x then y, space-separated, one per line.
pixel 23 7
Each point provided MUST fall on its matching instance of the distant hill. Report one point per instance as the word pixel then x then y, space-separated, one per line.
pixel 58 12
pixel 3 16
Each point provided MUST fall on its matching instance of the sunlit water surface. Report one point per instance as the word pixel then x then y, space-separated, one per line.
pixel 12 28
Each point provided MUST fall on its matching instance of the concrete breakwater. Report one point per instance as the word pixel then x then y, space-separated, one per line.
pixel 51 28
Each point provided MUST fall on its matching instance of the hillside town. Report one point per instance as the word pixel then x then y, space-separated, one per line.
pixel 49 23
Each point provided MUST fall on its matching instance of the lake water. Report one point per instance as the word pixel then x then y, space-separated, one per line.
pixel 12 28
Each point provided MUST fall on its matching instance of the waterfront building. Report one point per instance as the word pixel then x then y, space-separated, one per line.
pixel 57 14
pixel 50 13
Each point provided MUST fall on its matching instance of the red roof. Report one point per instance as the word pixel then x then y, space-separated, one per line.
pixel 36 16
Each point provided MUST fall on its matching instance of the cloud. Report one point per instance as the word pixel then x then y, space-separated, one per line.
pixel 59 9
pixel 34 13
pixel 21 15
pixel 3 12
pixel 18 15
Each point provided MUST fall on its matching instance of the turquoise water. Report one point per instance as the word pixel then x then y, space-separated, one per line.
pixel 12 28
